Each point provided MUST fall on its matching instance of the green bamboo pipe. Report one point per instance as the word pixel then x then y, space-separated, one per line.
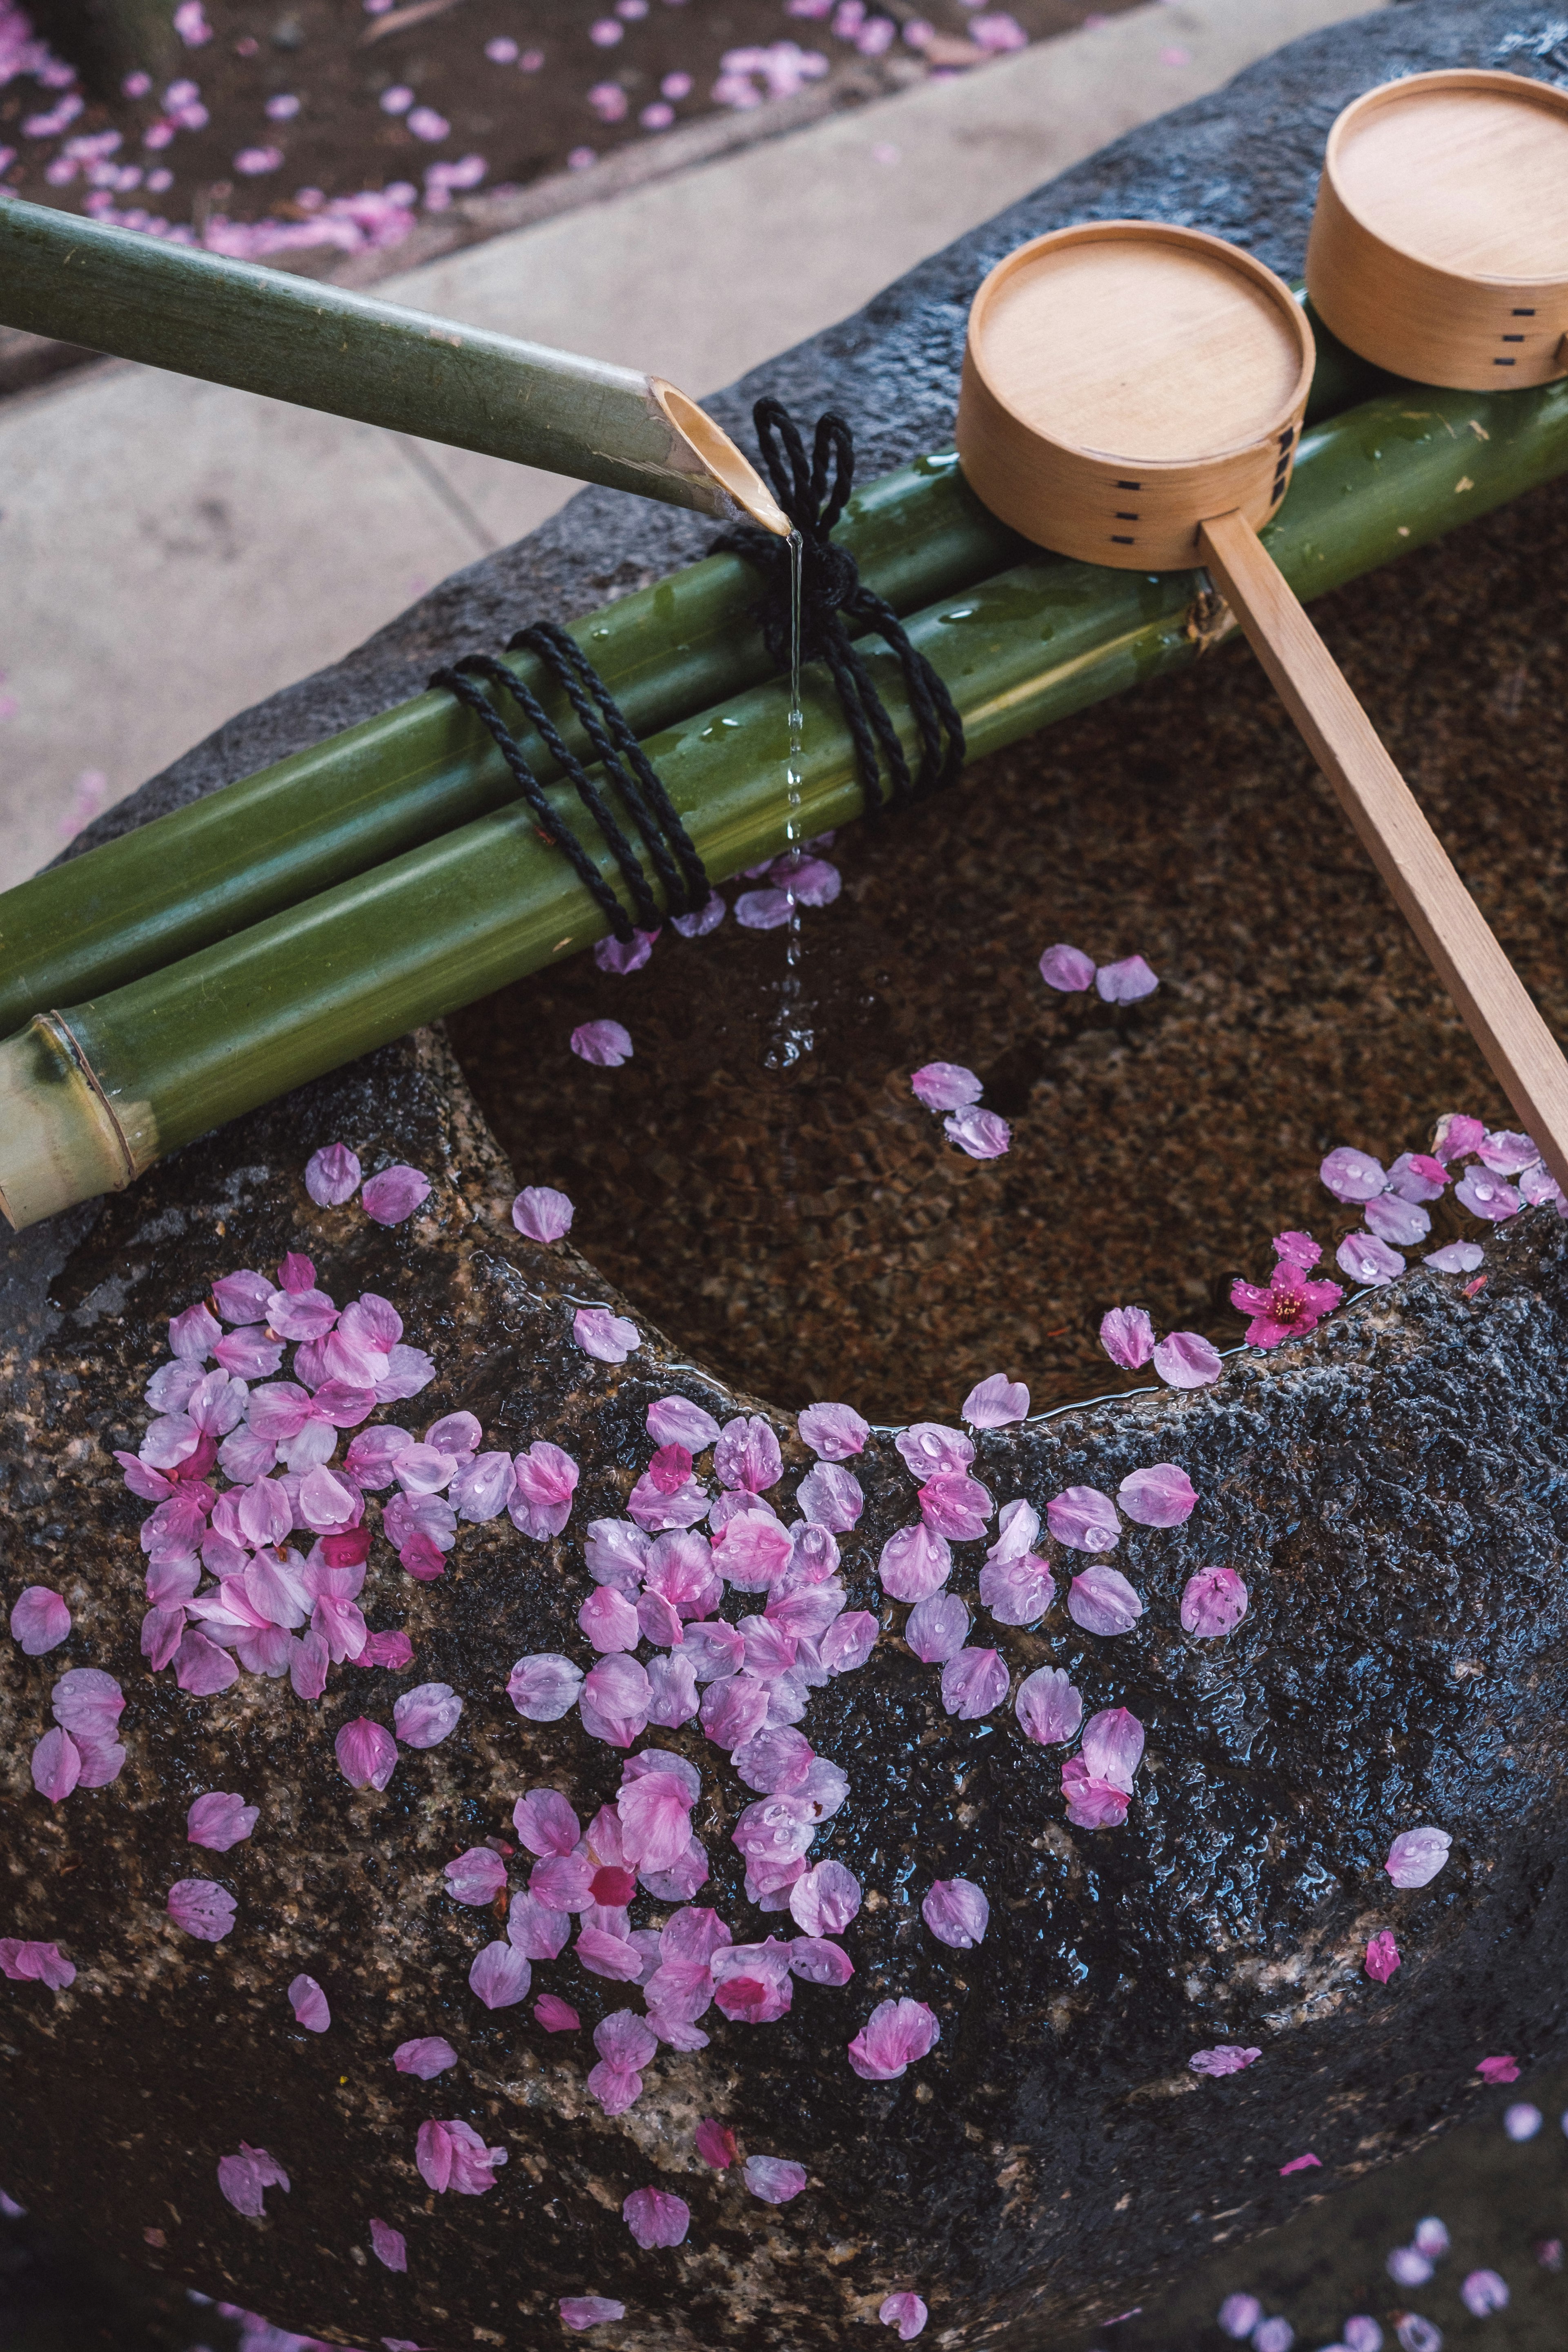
pixel 92 1096
pixel 363 797
pixel 170 306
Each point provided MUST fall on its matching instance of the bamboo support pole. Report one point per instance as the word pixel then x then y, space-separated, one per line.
pixel 164 890
pixel 141 298
pixel 113 1082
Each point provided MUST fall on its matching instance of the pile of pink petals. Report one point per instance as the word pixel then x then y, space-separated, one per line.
pixel 1505 1174
pixel 948 1086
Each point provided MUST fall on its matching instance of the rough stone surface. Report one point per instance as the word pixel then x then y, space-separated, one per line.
pixel 1392 1489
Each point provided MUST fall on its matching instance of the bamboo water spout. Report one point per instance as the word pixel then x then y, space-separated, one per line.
pixel 141 298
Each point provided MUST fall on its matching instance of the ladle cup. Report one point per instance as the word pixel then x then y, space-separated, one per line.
pixel 1132 396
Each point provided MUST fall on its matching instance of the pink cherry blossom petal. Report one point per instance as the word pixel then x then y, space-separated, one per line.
pixel 1127 1336
pixel 906 2312
pixel 996 1402
pixel 603 1043
pixel 914 1563
pixel 707 918
pixel 1084 1519
pixel 310 2005
pixel 608 1337
pixel 657 2218
pixel 945 1086
pixel 1160 1496
pixel 1227 2058
pixel 746 1455
pixel 332 1175
pixel 1127 983
pixel 1417 1855
pixel 897 2034
pixel 1400 1223
pixel 1187 1361
pixel 544 1687
pixel 40 1621
pixel 366 1753
pixel 1382 1955
pixel 429 2055
pixel 974 1683
pixel 450 2155
pixel 1484 2291
pixel 1417 1176
pixel 773 2179
pixel 545 1822
pixel 937 1628
pixel 956 1912
pixel 220 1820
pixel 715 2143
pixel 555 2015
pixel 202 1907
pixel 392 1197
pixel 476 1877
pixel 1113 1745
pixel 1068 969
pixel 1049 1708
pixel 1213 1602
pixel 1366 1259
pixel 675 1421
pixel 623 957
pixel 56 1766
pixel 614 1701
pixel 1488 1196
pixel 243 2179
pixel 1353 1176
pixel 388 2245
pixel 825 1900
pixel 980 1133
pixel 32 1963
pixel 499 1976
pixel 1457 1258
pixel 833 1431
pixel 580 2312
pixel 542 1214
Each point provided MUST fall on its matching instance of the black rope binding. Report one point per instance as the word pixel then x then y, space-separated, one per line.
pixel 834 598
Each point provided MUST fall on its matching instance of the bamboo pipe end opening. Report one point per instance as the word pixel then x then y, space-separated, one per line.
pixel 59 1142
pixel 733 472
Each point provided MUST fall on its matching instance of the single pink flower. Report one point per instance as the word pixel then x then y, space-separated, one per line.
pixel 310 2005
pixel 499 1976
pixel 1291 1304
pixel 451 2154
pixel 773 2179
pixel 1417 1855
pixel 243 2179
pixel 956 1912
pixel 715 2143
pixel 657 2218
pixel 1213 1602
pixel 555 2015
pixel 202 1907
pixel 427 2057
pixel 604 1043
pixel 1102 1601
pixel 1067 969
pixel 974 1683
pixel 980 1133
pixel 893 2037
pixel 1127 983
pixel 39 1621
pixel 833 1431
pixel 1185 1359
pixel 542 1213
pixel 1049 1708
pixel 1382 1955
pixel 366 1753
pixel 220 1820
pixel 945 1086
pixel 1228 2058
pixel 906 2312
pixel 608 1337
pixel 389 2245
pixel 579 2312
pixel 393 1196
pixel 1498 2070
pixel 332 1175
pixel 1353 1176
pixel 995 1404
pixel 1127 1336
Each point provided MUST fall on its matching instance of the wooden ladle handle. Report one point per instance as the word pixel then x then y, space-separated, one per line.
pixel 1524 1056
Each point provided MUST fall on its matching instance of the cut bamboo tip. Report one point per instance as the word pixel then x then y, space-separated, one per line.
pixel 719 459
pixel 59 1142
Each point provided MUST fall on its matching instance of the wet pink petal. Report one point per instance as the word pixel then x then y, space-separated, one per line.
pixel 244 2177
pixel 1127 983
pixel 981 1133
pixel 310 2005
pixel 39 1620
pixel 220 1820
pixel 542 1213
pixel 1091 1804
pixel 429 2055
pixel 332 1175
pixel 715 2143
pixel 914 1563
pixel 242 1298
pixel 1486 1195
pixel 928 1448
pixel 1084 1519
pixel 393 1196
pixel 1538 1186
pixel 707 918
pixel 1417 1855
pixel 1457 1137
pixel 202 1668
pixel 582 2311
pixel 545 1822
pixel 746 1455
pixel 815 1959
pixel 1161 1496
pixel 1214 1602
pixel 545 1477
pixel 675 1421
pixel 544 1687
pixel 773 2179
pixel 555 2015
pixel 1239 2314
pixel 366 1753
pixel 1499 2070
pixel 1113 1745
pixel 608 1619
pixel 194 1333
pixel 955 1505
pixel 833 1431
pixel 906 2312
pixel 1457 1258
pixel 996 1402
pixel 657 2218
pixel 825 1900
pixel 956 1912
pixel 896 2035
pixel 1187 1361
pixel 945 1086
pixel 608 1337
pixel 56 1766
pixel 763 910
pixel 389 2245
pixel 451 2154
pixel 1353 1176
pixel 1366 1259
pixel 1127 1336
pixel 1049 1708
pixel 752 1549
pixel 499 1976
pixel 612 955
pixel 973 1684
pixel 656 1821
pixel 1507 1152
pixel 604 1042
pixel 475 1877
pixel 831 1496
pixel 1416 1176
pixel 937 1628
pixel 1402 1222
pixel 202 1907
pixel 1070 970
pixel 614 1700
pixel 1382 1955
pixel 30 1963
pixel 1227 2058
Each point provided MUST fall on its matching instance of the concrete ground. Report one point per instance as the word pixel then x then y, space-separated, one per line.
pixel 172 551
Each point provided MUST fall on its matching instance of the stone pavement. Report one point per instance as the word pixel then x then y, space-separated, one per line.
pixel 172 551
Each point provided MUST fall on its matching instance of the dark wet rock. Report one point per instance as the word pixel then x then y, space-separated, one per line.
pixel 1392 1488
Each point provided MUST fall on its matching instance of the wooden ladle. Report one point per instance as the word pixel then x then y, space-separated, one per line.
pixel 1132 396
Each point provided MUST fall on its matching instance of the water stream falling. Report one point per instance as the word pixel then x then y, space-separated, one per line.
pixel 791 1038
